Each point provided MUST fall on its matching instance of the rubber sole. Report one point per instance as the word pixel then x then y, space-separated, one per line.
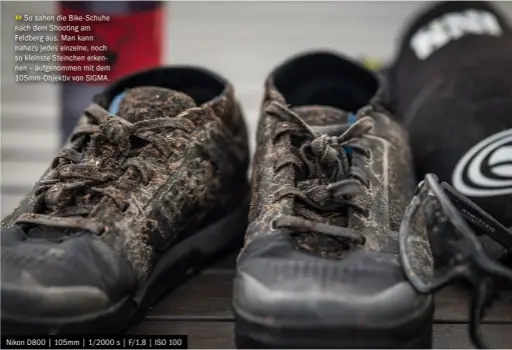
pixel 175 266
pixel 416 334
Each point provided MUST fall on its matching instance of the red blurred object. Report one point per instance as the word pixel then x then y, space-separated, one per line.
pixel 133 38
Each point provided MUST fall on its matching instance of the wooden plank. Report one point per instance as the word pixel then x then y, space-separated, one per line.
pixel 23 155
pixel 44 113
pixel 9 202
pixel 452 304
pixel 225 265
pixel 22 174
pixel 208 295
pixel 29 140
pixel 28 123
pixel 219 335
pixel 15 190
pixel 455 336
pixel 33 96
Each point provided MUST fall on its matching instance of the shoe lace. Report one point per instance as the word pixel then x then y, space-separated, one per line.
pixel 96 167
pixel 321 154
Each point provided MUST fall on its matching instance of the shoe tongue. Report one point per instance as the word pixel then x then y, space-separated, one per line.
pixel 148 102
pixel 324 115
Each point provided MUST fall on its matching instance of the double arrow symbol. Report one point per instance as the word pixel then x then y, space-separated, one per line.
pixel 18 18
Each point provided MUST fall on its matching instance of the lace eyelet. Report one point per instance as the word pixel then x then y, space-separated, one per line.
pixel 369 157
pixel 419 187
pixel 273 226
pixel 125 209
pixel 104 231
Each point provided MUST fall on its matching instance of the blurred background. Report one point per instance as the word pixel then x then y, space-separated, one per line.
pixel 242 41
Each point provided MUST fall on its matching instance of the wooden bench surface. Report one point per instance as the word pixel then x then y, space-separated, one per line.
pixel 201 308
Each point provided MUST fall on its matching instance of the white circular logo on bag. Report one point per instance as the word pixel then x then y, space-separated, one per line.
pixel 486 170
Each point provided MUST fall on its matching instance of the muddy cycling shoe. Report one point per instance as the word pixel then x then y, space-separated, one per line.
pixel 451 87
pixel 320 264
pixel 137 200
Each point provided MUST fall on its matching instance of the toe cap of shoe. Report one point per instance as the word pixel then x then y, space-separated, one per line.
pixel 32 302
pixel 78 276
pixel 365 290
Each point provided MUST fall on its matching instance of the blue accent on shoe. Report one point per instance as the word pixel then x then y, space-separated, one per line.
pixel 351 120
pixel 114 105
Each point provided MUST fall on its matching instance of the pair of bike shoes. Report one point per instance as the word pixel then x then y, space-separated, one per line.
pixel 152 186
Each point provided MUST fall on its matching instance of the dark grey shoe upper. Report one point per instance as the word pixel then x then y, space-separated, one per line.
pixel 123 190
pixel 299 276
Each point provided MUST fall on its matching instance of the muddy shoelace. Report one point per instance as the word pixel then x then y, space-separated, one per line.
pixel 324 153
pixel 69 173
